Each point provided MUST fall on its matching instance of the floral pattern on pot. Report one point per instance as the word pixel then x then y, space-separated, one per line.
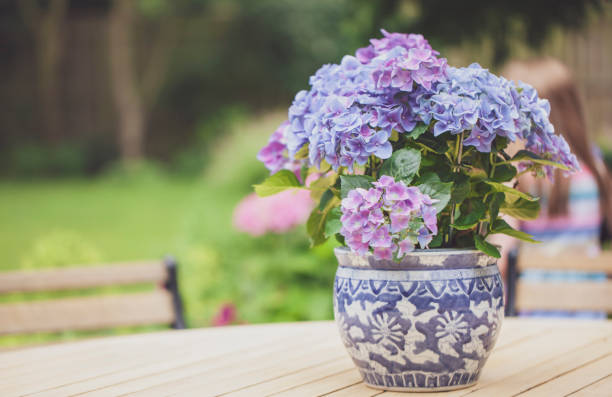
pixel 419 329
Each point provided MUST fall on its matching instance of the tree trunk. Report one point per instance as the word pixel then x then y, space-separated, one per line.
pixel 46 27
pixel 130 108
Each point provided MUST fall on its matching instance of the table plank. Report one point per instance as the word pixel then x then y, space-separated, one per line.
pixel 532 358
pixel 598 389
pixel 574 380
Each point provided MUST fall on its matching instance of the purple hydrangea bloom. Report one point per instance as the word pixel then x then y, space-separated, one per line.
pixel 388 219
pixel 399 60
pixel 348 115
pixel 486 106
pixel 274 154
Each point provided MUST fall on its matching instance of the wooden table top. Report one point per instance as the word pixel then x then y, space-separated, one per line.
pixel 531 358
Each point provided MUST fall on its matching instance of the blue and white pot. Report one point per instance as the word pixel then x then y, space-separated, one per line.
pixel 425 324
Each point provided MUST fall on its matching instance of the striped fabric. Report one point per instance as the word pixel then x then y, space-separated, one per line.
pixel 578 231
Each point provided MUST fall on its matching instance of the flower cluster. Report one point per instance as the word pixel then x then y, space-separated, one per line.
pixel 352 108
pixel 390 218
pixel 540 137
pixel 398 60
pixel 277 214
pixel 473 99
pixel 274 154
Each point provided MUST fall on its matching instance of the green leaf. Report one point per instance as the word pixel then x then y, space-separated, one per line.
pixel 417 131
pixel 470 219
pixel 320 186
pixel 276 183
pixel 328 195
pixel 500 226
pixel 500 187
pixel 486 247
pixel 333 224
pixel 350 182
pixel 302 153
pixel 526 155
pixel 431 185
pixel 520 208
pixel 402 165
pixel 461 188
pixel 315 226
pixel 495 201
pixel 504 173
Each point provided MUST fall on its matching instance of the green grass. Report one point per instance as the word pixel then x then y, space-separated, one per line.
pixel 146 214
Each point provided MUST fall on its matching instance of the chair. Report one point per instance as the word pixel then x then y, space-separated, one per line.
pixel 160 306
pixel 558 295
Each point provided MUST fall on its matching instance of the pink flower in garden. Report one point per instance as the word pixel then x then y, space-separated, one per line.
pixel 225 316
pixel 260 215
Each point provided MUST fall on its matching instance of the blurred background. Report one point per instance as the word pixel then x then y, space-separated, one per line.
pixel 129 128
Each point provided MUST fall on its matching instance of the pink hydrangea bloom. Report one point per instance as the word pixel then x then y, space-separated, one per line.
pixel 260 215
pixel 388 219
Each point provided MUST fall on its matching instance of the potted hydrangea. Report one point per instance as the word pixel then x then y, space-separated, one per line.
pixel 407 159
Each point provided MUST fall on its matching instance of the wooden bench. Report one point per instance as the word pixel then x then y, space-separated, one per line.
pixel 160 306
pixel 525 295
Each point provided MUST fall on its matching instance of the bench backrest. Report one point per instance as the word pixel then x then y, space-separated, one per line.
pixel 585 295
pixel 160 306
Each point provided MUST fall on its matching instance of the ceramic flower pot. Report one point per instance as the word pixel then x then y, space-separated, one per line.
pixel 425 324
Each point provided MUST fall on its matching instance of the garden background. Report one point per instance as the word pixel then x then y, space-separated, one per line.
pixel 129 128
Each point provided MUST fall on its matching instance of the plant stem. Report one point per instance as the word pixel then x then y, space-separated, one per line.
pixel 457 168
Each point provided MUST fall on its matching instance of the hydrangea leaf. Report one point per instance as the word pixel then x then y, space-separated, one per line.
pixel 495 201
pixel 350 182
pixel 503 173
pixel 333 223
pixel 499 187
pixel 470 219
pixel 500 226
pixel 526 155
pixel 315 226
pixel 461 188
pixel 402 165
pixel 486 247
pixel 520 208
pixel 276 183
pixel 419 130
pixel 320 186
pixel 431 185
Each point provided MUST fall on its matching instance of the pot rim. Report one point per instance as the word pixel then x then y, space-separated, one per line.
pixel 427 251
pixel 439 258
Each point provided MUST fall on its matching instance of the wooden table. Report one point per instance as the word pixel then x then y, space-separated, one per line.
pixel 531 358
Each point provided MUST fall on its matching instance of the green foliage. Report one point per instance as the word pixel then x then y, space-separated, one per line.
pixel 525 155
pixel 402 165
pixel 333 224
pixel 471 215
pixel 276 183
pixel 486 247
pixel 501 226
pixel 350 182
pixel 431 185
pixel 520 208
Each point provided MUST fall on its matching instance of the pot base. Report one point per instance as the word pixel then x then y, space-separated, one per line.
pixel 420 389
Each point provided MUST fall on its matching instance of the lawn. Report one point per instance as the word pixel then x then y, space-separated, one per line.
pixel 147 214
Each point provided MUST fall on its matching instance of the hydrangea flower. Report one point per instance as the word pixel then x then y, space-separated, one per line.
pixel 277 214
pixel 399 60
pixel 486 106
pixel 389 219
pixel 351 109
pixel 274 155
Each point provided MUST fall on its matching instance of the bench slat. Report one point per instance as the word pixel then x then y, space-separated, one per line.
pixel 87 313
pixel 71 278
pixel 535 260
pixel 578 296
